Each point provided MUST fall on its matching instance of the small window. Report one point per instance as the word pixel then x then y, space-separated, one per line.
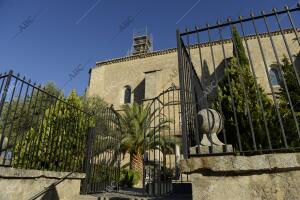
pixel 127 94
pixel 274 76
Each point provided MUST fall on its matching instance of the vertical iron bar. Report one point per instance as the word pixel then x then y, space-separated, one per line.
pixel 154 143
pixel 70 139
pixel 145 152
pixel 241 79
pixel 42 126
pixel 286 45
pixel 256 85
pixel 269 80
pixel 37 133
pixel 176 116
pixel 45 144
pixel 204 85
pixel 217 82
pixel 230 90
pixel 182 96
pixel 57 136
pixel 292 23
pixel 189 85
pixel 4 94
pixel 282 75
pixel 52 134
pixel 79 144
pixel 93 164
pixel 11 124
pixel 169 124
pixel 2 102
pixel 24 133
pixel 159 150
pixel 65 136
pixel 2 84
pixel 191 75
pixel 87 160
pixel 28 143
pixel 188 43
pixel 19 120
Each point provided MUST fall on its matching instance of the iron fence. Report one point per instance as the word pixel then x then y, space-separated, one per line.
pixel 42 131
pixel 39 130
pixel 248 71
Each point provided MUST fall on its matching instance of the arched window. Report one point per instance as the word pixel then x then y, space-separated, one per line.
pixel 127 94
pixel 274 76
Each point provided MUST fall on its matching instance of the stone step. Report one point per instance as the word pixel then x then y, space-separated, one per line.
pixel 182 188
pixel 111 196
pixel 86 197
pixel 118 196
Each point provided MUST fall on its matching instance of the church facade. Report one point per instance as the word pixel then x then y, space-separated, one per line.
pixel 142 76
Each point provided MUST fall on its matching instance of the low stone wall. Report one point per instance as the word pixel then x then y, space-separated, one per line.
pixel 270 176
pixel 19 184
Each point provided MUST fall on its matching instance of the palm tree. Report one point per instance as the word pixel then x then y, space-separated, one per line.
pixel 167 146
pixel 137 125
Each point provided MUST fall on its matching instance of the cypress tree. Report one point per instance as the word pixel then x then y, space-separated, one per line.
pixel 238 48
pixel 243 91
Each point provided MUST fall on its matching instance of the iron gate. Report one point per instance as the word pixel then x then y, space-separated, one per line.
pixel 103 153
pixel 162 144
pixel 243 69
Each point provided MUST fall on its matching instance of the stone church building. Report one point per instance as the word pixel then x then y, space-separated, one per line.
pixel 145 73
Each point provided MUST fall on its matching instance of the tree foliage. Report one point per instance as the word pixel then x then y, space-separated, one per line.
pixel 137 126
pixel 293 89
pixel 291 83
pixel 251 103
pixel 25 111
pixel 59 140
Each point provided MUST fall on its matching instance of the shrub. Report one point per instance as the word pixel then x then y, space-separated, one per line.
pixel 129 178
pixel 54 144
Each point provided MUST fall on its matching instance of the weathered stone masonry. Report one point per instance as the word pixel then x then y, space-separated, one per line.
pixel 108 78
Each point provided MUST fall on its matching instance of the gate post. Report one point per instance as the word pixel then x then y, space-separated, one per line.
pixel 182 98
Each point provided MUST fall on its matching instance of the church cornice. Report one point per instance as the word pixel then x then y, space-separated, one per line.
pixel 172 50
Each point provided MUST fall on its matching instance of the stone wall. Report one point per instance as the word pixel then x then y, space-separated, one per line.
pixel 108 81
pixel 268 177
pixel 19 184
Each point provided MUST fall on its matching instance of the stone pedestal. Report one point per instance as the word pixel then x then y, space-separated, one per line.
pixel 211 149
pixel 211 124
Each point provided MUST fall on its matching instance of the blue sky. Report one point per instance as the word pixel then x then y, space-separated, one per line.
pixel 49 40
